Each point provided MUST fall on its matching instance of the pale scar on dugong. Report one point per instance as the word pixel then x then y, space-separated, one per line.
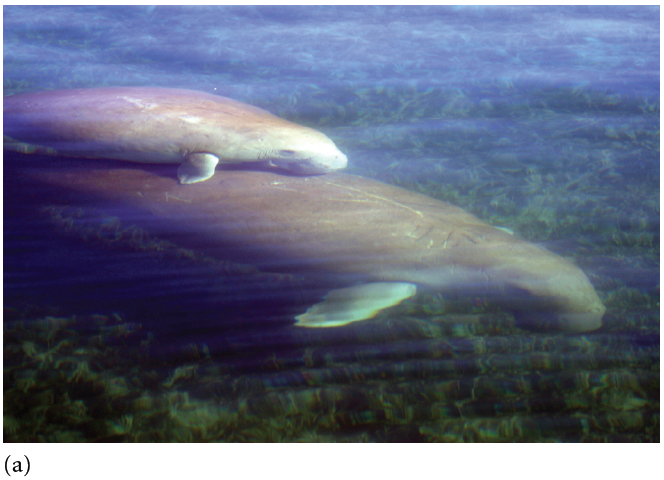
pixel 194 129
pixel 380 242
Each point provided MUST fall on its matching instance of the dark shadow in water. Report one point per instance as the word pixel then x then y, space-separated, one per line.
pixel 176 301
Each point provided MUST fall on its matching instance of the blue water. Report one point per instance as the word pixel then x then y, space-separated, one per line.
pixel 541 120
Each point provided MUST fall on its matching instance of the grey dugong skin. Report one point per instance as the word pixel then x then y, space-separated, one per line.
pixel 351 228
pixel 162 125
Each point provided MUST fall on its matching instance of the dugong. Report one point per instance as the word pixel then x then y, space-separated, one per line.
pixel 375 243
pixel 163 125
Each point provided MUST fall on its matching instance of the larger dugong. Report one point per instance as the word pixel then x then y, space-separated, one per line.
pixel 163 125
pixel 380 242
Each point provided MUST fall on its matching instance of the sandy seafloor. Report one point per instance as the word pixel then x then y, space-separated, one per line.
pixel 542 120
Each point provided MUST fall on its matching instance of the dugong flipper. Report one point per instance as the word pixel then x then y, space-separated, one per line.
pixel 352 304
pixel 162 125
pixel 197 167
pixel 341 229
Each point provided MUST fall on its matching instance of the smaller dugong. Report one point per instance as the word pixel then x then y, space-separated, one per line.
pixel 163 125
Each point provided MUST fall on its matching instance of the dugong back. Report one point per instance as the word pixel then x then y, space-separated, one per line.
pixel 139 124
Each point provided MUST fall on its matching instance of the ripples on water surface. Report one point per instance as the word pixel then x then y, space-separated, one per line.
pixel 541 120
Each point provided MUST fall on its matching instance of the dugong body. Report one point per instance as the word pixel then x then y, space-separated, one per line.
pixel 351 229
pixel 163 125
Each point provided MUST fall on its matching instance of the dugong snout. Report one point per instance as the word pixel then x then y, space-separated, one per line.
pixel 574 322
pixel 314 165
pixel 558 296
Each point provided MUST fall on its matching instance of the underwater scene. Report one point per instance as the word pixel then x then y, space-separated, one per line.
pixel 446 229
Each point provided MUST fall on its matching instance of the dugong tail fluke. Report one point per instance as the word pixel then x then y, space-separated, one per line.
pixel 163 125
